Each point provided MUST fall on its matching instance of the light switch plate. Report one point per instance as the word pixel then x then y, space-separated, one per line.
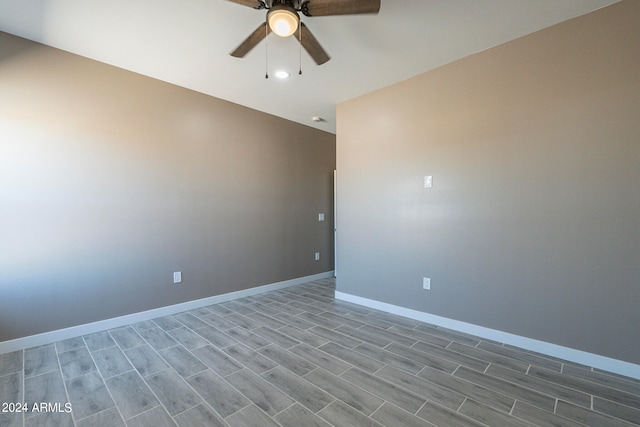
pixel 320 217
pixel 426 283
pixel 428 181
pixel 177 277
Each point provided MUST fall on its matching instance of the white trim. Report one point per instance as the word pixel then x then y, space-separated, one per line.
pixel 76 331
pixel 566 353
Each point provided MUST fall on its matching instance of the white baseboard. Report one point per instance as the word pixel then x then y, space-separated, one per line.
pixel 89 328
pixel 566 353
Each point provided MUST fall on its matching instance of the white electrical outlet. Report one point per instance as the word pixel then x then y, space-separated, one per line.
pixel 177 277
pixel 317 256
pixel 320 217
pixel 426 283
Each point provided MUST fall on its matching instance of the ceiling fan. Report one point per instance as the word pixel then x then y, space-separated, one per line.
pixel 283 19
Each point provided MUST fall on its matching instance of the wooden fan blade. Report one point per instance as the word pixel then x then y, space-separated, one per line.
pixel 256 4
pixel 311 45
pixel 340 7
pixel 250 42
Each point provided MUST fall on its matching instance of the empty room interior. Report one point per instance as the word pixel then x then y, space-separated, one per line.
pixel 400 213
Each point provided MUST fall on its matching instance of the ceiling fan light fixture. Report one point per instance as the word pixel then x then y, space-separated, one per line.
pixel 283 20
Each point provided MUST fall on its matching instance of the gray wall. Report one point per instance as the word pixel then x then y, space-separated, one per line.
pixel 111 181
pixel 533 224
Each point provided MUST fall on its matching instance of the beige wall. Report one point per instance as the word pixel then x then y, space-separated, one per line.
pixel 533 224
pixel 111 181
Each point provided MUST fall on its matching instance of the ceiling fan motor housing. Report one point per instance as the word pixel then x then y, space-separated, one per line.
pixel 283 18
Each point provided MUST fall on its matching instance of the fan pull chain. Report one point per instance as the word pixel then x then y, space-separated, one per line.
pixel 266 52
pixel 300 43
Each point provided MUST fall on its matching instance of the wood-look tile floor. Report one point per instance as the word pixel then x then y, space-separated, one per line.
pixel 297 357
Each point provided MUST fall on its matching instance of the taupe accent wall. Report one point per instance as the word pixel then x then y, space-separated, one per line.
pixel 111 181
pixel 532 226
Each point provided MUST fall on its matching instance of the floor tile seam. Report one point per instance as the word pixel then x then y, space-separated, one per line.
pixel 613 375
pixel 267 314
pixel 364 341
pixel 104 381
pixel 606 386
pixel 428 423
pixel 221 330
pixel 589 408
pixel 455 370
pixel 579 388
pixel 451 351
pixel 517 359
pixel 420 408
pixel 11 373
pixel 497 358
pixel 64 382
pixel 224 378
pixel 384 380
pixel 144 412
pixel 100 349
pixel 419 361
pixel 613 386
pixel 41 373
pixel 377 409
pixel 510 395
pixel 144 379
pixel 623 421
pixel 263 375
pixel 555 410
pixel 23 388
pixel 400 386
pixel 500 412
pixel 140 329
pixel 524 387
pixel 605 414
pixel 203 402
pixel 554 413
pixel 292 326
pixel 461 403
pixel 227 354
pixel 345 320
pixel 304 356
pixel 369 323
pixel 477 385
pixel 324 418
pixel 242 364
pixel 635 408
pixel 537 355
pixel 530 422
pixel 22 397
pixel 89 416
pixel 277 332
pixel 191 349
pixel 166 330
pixel 334 342
pixel 291 405
pixel 400 358
pixel 171 366
pixel 113 376
pixel 394 332
pixel 457 411
pixel 352 384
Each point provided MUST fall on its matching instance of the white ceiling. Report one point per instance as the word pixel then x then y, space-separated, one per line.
pixel 187 42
